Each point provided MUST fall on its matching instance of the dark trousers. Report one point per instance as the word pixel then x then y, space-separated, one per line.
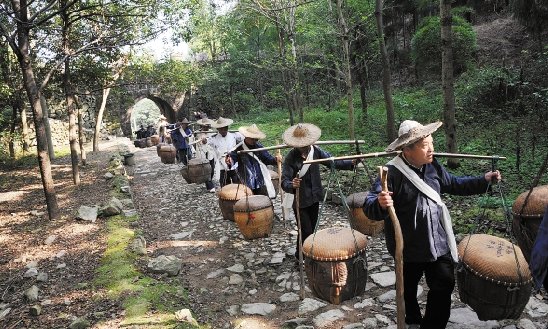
pixel 440 278
pixel 309 218
pixel 209 184
pixel 183 155
pixel 228 177
pixel 260 191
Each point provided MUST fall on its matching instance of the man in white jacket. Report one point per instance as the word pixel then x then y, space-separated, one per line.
pixel 222 143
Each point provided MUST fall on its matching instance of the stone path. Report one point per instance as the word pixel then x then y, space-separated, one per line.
pixel 238 283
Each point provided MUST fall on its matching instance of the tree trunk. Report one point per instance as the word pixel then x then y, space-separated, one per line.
pixel 11 143
pixel 386 84
pixel 24 129
pixel 33 93
pixel 81 141
pixel 347 69
pixel 69 98
pixel 99 120
pixel 284 71
pixel 45 113
pixel 294 73
pixel 447 82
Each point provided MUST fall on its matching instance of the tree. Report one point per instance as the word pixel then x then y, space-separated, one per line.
pixel 18 38
pixel 447 81
pixel 386 84
pixel 534 15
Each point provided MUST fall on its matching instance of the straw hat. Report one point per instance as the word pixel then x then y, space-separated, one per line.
pixel 162 117
pixel 252 132
pixel 411 131
pixel 221 122
pixel 205 122
pixel 301 135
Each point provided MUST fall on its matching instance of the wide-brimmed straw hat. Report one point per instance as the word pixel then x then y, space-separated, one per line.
pixel 205 122
pixel 162 117
pixel 222 122
pixel 411 131
pixel 301 135
pixel 252 132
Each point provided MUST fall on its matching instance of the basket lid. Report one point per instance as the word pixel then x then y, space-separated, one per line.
pixel 273 174
pixel 167 148
pixel 333 244
pixel 197 161
pixel 356 200
pixel 234 192
pixel 537 202
pixel 253 202
pixel 493 258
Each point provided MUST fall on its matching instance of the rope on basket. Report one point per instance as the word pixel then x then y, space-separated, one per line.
pixel 507 216
pixel 333 176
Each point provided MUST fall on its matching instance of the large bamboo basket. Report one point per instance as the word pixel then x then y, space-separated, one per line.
pixel 167 153
pixel 358 219
pixel 525 223
pixel 229 195
pixel 155 139
pixel 158 147
pixel 335 263
pixel 197 171
pixel 490 280
pixel 148 142
pixel 141 143
pixel 254 216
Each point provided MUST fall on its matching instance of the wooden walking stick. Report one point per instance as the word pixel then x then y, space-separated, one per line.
pixel 298 215
pixel 279 152
pixel 398 255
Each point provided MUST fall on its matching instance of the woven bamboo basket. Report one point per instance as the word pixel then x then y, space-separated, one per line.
pixel 167 153
pixel 229 195
pixel 155 139
pixel 358 218
pixel 141 143
pixel 335 263
pixel 489 278
pixel 275 180
pixel 197 171
pixel 254 216
pixel 158 147
pixel 148 142
pixel 525 223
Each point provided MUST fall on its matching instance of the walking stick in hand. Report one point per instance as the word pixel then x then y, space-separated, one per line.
pixel 383 174
pixel 298 215
pixel 280 185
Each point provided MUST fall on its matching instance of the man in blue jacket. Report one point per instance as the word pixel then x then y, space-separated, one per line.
pixel 180 136
pixel 415 182
pixel 251 166
pixel 305 177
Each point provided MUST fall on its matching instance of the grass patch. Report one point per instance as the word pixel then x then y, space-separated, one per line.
pixel 147 302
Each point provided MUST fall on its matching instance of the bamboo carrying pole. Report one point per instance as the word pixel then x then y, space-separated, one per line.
pixel 394 153
pixel 285 146
pixel 398 255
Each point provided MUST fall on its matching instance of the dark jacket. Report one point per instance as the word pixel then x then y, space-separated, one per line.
pixel 179 141
pixel 419 217
pixel 248 168
pixel 539 254
pixel 311 190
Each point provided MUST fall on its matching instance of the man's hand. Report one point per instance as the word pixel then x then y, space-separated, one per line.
pixel 296 182
pixel 279 158
pixel 493 176
pixel 228 161
pixel 385 199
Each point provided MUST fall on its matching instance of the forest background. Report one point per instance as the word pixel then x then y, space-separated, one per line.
pixel 339 64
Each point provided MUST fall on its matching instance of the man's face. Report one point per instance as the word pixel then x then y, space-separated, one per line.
pixel 223 131
pixel 304 150
pixel 250 141
pixel 421 152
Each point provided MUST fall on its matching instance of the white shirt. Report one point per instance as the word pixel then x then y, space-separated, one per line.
pixel 223 145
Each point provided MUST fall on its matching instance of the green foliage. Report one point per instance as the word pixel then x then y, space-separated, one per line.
pixel 140 294
pixel 426 46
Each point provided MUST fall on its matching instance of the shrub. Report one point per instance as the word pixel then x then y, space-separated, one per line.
pixel 426 46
